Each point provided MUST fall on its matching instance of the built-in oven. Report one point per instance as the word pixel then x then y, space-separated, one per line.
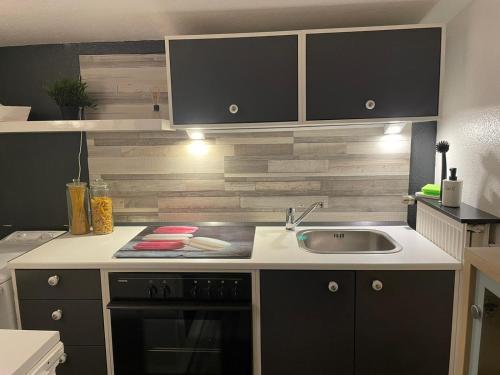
pixel 181 323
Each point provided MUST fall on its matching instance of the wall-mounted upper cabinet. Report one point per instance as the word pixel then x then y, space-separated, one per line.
pixel 233 80
pixel 373 74
pixel 305 77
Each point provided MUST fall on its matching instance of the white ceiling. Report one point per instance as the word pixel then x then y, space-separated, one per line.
pixel 64 21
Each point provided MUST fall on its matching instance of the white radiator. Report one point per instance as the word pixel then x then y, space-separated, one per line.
pixel 444 232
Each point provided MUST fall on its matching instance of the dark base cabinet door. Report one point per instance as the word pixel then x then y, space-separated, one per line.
pixel 307 326
pixel 83 360
pixel 403 322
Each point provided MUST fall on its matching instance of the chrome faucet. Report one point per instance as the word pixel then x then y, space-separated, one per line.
pixel 291 223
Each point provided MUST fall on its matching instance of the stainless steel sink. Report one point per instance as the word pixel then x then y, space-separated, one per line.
pixel 347 241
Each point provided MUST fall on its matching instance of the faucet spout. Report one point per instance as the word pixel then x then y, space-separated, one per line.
pixel 291 223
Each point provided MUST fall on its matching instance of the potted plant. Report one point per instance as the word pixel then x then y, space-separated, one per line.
pixel 71 96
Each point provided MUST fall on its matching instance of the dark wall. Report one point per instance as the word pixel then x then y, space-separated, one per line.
pixel 422 161
pixel 34 168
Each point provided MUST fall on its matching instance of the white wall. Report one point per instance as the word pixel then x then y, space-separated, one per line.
pixel 444 11
pixel 471 98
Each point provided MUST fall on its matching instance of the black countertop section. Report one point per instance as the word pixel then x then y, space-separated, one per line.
pixel 463 214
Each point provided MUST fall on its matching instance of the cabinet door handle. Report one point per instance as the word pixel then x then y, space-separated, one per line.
pixel 333 286
pixel 370 104
pixel 53 280
pixel 476 312
pixel 57 315
pixel 233 108
pixel 377 285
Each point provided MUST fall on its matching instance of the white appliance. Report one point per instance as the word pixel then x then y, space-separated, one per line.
pixel 30 352
pixel 11 247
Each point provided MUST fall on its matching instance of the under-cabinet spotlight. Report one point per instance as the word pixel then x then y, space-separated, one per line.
pixel 394 128
pixel 195 135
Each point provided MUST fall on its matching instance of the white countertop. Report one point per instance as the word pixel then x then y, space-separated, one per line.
pixel 274 248
pixel 20 351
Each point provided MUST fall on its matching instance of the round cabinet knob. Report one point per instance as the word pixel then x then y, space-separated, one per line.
pixel 233 108
pixel 63 358
pixel 475 312
pixel 377 285
pixel 370 104
pixel 53 280
pixel 333 286
pixel 57 315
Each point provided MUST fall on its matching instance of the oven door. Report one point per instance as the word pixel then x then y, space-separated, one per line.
pixel 181 338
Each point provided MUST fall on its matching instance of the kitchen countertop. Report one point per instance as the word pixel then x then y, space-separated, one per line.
pixel 274 248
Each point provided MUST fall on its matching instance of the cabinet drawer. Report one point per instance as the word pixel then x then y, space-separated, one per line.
pixel 83 360
pixel 81 321
pixel 67 284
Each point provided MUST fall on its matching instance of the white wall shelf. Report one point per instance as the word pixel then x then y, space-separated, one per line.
pixel 85 125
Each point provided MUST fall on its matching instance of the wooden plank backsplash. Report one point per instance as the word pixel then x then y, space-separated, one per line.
pixel 121 85
pixel 360 174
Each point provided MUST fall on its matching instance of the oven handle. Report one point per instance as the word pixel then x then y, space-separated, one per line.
pixel 177 306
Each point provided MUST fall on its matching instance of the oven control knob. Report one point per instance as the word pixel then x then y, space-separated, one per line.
pixel 195 291
pixel 235 291
pixel 166 291
pixel 152 291
pixel 221 291
pixel 209 291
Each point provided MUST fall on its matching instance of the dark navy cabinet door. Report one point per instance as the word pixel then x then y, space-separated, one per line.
pixel 403 322
pixel 305 327
pixel 234 80
pixel 373 74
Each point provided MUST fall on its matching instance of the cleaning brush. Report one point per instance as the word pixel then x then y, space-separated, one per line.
pixel 442 147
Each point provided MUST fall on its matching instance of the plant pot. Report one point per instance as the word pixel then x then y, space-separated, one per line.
pixel 70 113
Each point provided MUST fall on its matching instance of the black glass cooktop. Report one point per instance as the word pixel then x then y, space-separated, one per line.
pixel 190 242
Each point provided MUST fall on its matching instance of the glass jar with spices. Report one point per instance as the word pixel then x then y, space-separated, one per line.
pixel 102 207
pixel 77 197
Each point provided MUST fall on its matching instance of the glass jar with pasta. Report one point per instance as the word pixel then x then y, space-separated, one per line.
pixel 102 207
pixel 78 207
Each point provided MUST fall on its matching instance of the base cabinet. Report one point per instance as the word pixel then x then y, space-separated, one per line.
pixel 68 301
pixel 306 328
pixel 362 323
pixel 404 327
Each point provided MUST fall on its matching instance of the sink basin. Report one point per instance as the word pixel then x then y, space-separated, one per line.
pixel 347 241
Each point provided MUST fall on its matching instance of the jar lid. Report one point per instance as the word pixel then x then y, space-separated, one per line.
pixel 99 183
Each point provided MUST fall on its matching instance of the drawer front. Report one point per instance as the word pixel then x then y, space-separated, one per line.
pixel 67 284
pixel 83 360
pixel 80 323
